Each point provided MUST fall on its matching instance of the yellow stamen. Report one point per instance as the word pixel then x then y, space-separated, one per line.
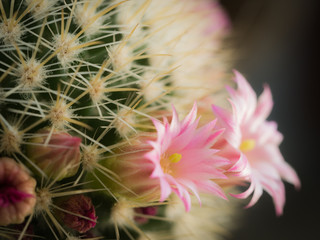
pixel 247 145
pixel 174 158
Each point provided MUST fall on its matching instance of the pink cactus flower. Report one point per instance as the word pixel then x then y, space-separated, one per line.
pixel 183 159
pixel 258 141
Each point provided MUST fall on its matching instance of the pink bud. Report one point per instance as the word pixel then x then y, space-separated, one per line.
pixel 142 214
pixel 59 157
pixel 17 197
pixel 79 213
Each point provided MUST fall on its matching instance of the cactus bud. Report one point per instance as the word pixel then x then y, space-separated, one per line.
pixel 142 214
pixel 78 213
pixel 59 157
pixel 16 192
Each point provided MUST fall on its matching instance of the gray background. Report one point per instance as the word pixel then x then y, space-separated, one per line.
pixel 277 43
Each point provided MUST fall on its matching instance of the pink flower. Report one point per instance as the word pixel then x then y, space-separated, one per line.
pixel 258 140
pixel 183 159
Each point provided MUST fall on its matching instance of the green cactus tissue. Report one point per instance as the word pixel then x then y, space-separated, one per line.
pixel 115 122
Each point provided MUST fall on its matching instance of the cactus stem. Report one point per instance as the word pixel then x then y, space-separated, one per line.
pixel 89 138
pixel 42 173
pixel 33 125
pixel 91 155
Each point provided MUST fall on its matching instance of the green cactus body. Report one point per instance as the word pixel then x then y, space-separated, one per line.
pixel 99 70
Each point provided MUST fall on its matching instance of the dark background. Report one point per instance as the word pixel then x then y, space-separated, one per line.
pixel 276 42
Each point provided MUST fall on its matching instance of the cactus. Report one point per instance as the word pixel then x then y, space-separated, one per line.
pixel 85 86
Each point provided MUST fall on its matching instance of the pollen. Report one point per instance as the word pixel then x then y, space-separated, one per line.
pixel 247 145
pixel 175 158
pixel 167 163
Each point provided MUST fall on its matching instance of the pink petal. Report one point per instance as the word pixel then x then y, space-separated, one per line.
pixel 175 124
pixel 190 118
pixel 165 189
pixel 241 168
pixel 264 107
pixel 227 121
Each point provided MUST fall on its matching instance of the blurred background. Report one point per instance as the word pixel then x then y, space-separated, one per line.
pixel 277 43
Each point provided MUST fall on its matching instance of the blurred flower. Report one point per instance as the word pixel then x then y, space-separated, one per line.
pixel 78 213
pixel 258 140
pixel 183 159
pixel 17 196
pixel 59 157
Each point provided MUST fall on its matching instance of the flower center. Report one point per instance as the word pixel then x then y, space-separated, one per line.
pixel 247 145
pixel 174 158
pixel 167 162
